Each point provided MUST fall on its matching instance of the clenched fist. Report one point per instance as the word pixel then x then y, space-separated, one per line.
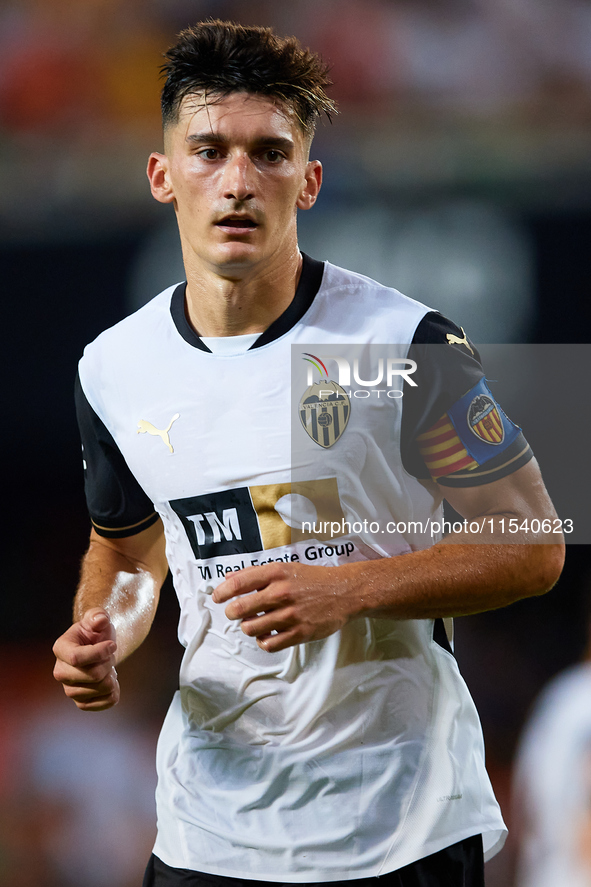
pixel 85 664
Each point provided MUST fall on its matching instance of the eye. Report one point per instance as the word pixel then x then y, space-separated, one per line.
pixel 272 155
pixel 209 154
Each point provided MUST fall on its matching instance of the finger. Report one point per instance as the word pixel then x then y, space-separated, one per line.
pixel 83 656
pixel 83 634
pixel 261 626
pixel 68 674
pixel 244 581
pixel 93 654
pixel 86 693
pixel 252 605
pixel 99 703
pixel 97 624
pixel 274 643
pixel 100 690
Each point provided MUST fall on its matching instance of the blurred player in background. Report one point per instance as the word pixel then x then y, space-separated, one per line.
pixel 322 732
pixel 552 784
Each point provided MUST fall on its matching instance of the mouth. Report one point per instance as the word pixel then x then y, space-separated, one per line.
pixel 236 223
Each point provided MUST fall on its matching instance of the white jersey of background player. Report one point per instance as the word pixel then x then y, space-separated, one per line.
pixel 552 785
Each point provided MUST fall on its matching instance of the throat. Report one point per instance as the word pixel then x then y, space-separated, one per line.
pixel 216 306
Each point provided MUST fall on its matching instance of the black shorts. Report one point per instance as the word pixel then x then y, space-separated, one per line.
pixel 461 865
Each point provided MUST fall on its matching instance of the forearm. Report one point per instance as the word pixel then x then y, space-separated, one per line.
pixel 124 584
pixel 113 611
pixel 453 578
pixel 470 572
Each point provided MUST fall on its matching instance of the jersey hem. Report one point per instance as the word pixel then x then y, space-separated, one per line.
pixel 318 875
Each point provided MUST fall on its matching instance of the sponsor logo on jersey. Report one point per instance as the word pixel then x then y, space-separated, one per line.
pixel 145 427
pixel 324 408
pixel 258 518
pixel 485 421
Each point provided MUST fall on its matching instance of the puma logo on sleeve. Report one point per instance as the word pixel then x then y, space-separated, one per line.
pixel 455 340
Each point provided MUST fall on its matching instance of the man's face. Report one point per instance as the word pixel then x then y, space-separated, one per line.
pixel 236 170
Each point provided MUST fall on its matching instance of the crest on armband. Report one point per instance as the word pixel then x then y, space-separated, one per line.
pixel 484 420
pixel 481 425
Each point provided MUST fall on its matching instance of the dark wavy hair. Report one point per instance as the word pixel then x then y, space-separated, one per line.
pixel 217 58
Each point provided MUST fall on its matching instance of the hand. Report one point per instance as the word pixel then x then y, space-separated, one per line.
pixel 85 664
pixel 292 603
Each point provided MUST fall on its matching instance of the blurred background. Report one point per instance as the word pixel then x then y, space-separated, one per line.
pixel 458 171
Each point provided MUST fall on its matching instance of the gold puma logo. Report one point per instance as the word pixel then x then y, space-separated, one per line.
pixel 454 340
pixel 143 426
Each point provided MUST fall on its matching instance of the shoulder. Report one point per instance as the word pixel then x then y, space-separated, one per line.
pixel 436 329
pixel 132 335
pixel 343 281
pixel 374 311
pixel 142 321
pixel 125 350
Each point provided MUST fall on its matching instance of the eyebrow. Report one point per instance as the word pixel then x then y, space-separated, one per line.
pixel 210 137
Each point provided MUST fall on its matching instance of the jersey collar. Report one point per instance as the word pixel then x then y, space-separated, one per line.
pixel 308 286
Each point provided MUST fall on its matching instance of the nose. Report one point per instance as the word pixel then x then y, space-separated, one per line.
pixel 239 178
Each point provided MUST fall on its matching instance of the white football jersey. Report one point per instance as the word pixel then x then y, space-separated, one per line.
pixel 342 758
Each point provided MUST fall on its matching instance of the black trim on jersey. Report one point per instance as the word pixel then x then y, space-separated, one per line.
pixel 177 310
pixel 122 532
pixel 117 505
pixel 440 635
pixel 443 375
pixel 308 286
pixel 515 456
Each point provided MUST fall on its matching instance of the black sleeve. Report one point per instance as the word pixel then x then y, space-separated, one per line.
pixel 116 503
pixel 448 366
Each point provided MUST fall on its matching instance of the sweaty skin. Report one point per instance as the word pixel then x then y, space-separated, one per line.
pixel 113 611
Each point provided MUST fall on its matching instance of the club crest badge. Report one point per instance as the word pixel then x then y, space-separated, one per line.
pixel 485 421
pixel 324 412
pixel 324 408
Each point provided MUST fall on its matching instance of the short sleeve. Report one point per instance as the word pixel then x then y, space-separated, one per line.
pixel 117 505
pixel 453 430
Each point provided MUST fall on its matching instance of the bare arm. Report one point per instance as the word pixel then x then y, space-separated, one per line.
pixel 113 611
pixel 452 578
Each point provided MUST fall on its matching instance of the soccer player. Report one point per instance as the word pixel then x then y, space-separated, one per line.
pixel 552 783
pixel 321 732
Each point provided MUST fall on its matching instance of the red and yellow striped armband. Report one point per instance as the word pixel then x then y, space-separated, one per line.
pixel 442 450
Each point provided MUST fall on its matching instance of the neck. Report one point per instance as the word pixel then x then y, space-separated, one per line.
pixel 217 305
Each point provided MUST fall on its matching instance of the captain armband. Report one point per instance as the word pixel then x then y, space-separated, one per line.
pixel 471 433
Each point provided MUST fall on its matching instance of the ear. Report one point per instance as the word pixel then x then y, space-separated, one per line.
pixel 307 197
pixel 159 177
